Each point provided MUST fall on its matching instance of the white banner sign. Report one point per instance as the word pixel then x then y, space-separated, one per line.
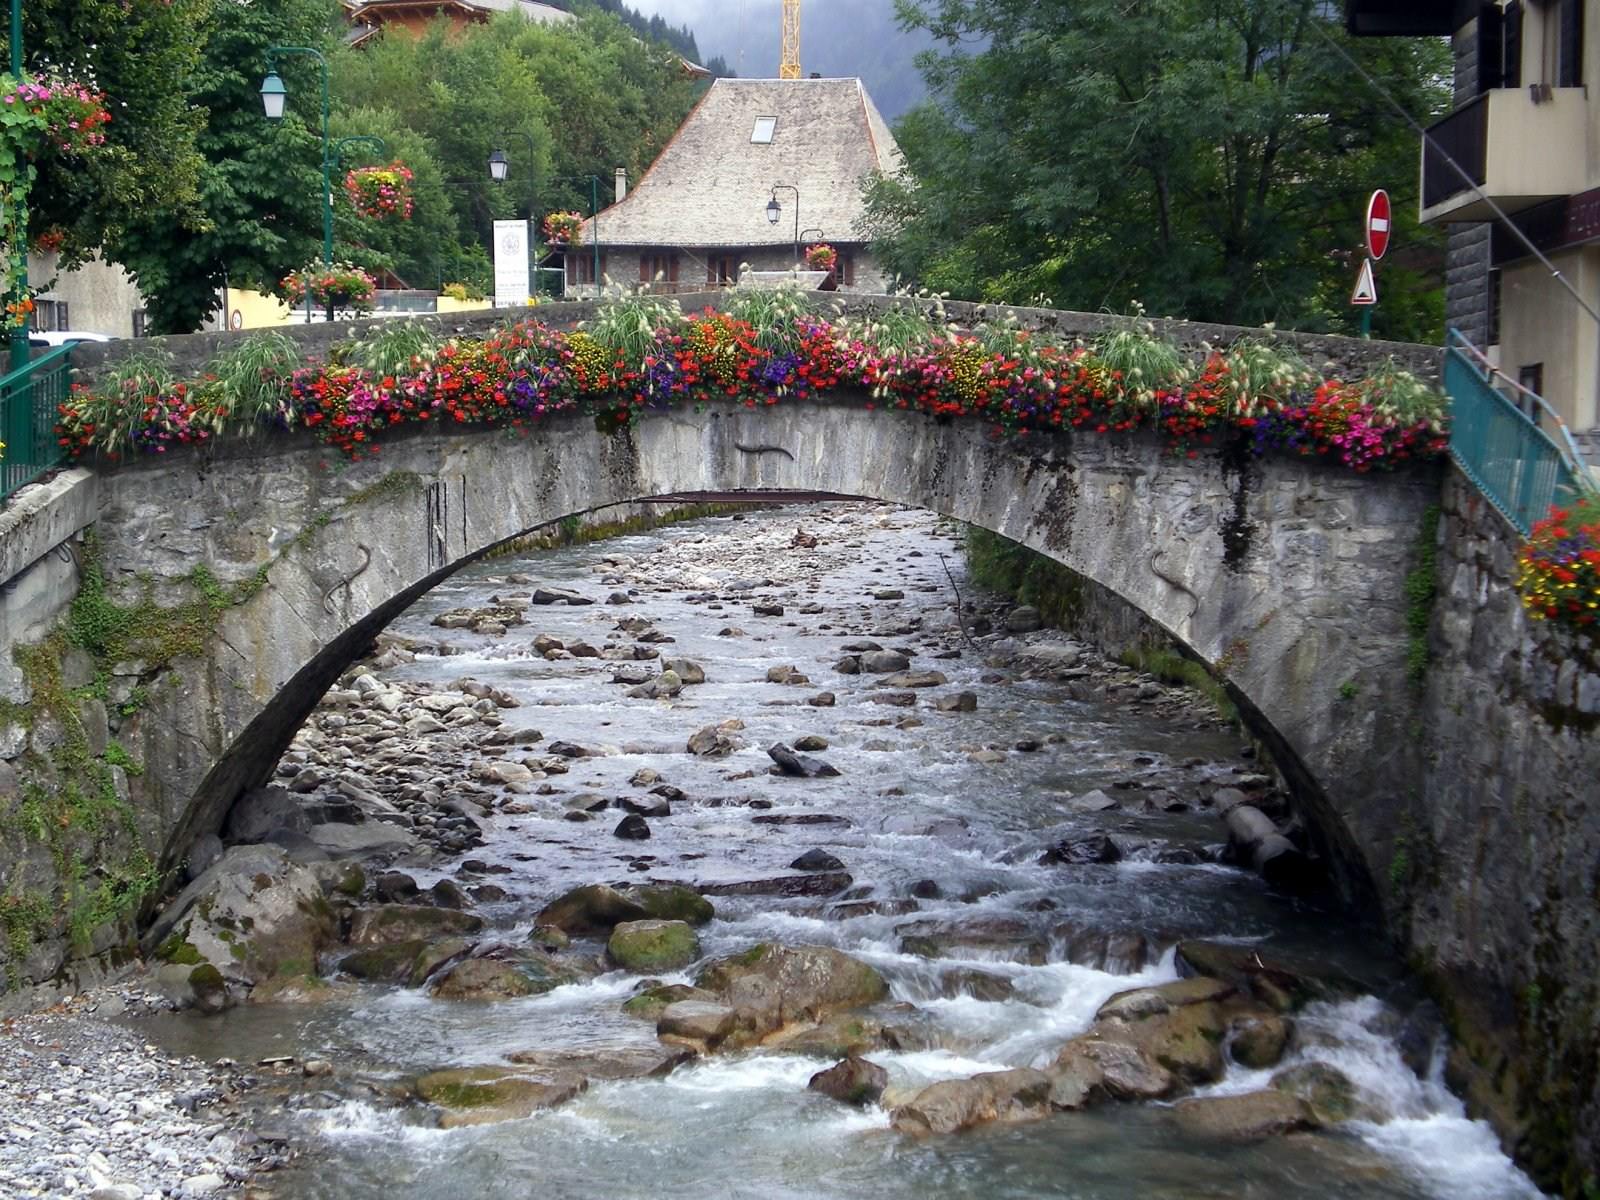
pixel 510 264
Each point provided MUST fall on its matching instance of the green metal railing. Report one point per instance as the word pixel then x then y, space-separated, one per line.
pixel 1499 439
pixel 29 399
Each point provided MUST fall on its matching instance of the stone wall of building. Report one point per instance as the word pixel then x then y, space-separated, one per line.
pixel 1493 876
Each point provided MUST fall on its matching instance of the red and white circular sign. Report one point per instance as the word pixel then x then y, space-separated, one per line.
pixel 1378 223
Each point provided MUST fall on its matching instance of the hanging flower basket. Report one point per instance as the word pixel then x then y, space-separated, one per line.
pixel 382 193
pixel 342 285
pixel 70 117
pixel 821 257
pixel 48 241
pixel 564 229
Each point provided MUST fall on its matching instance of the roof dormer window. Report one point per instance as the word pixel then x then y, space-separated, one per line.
pixel 763 131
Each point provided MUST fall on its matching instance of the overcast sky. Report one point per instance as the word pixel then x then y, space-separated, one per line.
pixel 837 37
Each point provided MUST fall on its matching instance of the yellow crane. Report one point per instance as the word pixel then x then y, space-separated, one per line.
pixel 789 66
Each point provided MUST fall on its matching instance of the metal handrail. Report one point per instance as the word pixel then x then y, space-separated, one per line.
pixel 29 399
pixel 1499 380
pixel 1518 467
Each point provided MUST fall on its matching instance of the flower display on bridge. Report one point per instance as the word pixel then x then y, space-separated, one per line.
pixel 1558 568
pixel 383 193
pixel 640 353
pixel 71 116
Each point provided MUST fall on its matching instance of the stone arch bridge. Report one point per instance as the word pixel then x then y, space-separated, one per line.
pixel 1286 578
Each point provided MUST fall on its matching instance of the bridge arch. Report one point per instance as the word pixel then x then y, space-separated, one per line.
pixel 1285 577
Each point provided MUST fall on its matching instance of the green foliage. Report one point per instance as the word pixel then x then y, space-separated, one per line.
pixel 138 54
pixel 1421 587
pixel 394 348
pixel 1209 158
pixel 1146 361
pixel 774 312
pixel 259 213
pixel 1010 568
pixel 626 322
pixel 1348 690
pixel 251 379
pixel 910 322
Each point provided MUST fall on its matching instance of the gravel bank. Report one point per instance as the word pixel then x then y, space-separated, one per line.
pixel 88 1108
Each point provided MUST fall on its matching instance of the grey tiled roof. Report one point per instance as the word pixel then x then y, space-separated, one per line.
pixel 711 183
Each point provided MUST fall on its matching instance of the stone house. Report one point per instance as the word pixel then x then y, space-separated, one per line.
pixel 759 168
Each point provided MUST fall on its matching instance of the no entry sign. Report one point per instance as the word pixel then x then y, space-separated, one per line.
pixel 1378 224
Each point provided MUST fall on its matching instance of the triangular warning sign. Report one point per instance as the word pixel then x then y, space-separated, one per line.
pixel 1366 291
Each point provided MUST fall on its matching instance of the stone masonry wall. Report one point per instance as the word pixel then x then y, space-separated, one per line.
pixel 1493 879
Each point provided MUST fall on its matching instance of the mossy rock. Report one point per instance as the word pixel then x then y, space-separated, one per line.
pixel 647 946
pixel 647 1005
pixel 388 963
pixel 482 1095
pixel 1327 1091
pixel 409 923
pixel 179 952
pixel 500 979
pixel 673 902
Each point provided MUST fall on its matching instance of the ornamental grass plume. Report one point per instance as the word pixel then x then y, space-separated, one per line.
pixel 1558 567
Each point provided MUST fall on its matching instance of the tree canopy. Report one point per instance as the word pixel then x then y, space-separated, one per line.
pixel 1206 158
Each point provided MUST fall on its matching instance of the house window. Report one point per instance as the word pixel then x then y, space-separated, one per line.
pixel 580 267
pixel 1495 284
pixel 1531 377
pixel 722 269
pixel 765 127
pixel 141 322
pixel 1569 71
pixel 844 272
pixel 660 269
pixel 50 314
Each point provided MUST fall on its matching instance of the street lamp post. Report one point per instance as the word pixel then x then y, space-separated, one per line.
pixel 775 210
pixel 499 168
pixel 273 97
pixel 19 333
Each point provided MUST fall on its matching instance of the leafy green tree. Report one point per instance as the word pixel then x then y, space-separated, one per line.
pixel 140 53
pixel 1208 158
pixel 259 213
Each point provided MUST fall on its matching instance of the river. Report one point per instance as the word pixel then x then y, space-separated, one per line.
pixel 939 817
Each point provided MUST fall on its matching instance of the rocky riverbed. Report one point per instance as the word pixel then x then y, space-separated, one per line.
pixel 759 856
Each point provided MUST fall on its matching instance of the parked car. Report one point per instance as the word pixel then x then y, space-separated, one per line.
pixel 64 337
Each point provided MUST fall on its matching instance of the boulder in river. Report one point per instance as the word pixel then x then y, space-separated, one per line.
pixel 648 946
pixel 1094 848
pixel 409 922
pixel 820 883
pixel 672 902
pixel 506 978
pixel 1090 1067
pixel 716 741
pixel 915 679
pixel 483 1095
pixel 633 828
pixel 590 910
pixel 816 860
pixel 1328 1093
pixel 623 1062
pixel 1277 980
pixel 700 1024
pixel 251 915
pixel 1248 1117
pixel 772 985
pixel 1023 619
pixel 958 702
pixel 1021 1094
pixel 854 1080
pixel 1186 1040
pixel 799 765
pixel 1258 1040
pixel 881 662
pixel 649 1002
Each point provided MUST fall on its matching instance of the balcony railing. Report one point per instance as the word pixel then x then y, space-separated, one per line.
pixel 1464 137
pixel 1507 440
pixel 1518 149
pixel 29 400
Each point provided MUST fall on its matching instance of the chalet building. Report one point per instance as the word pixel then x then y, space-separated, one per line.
pixel 701 212
pixel 1526 129
pixel 414 16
